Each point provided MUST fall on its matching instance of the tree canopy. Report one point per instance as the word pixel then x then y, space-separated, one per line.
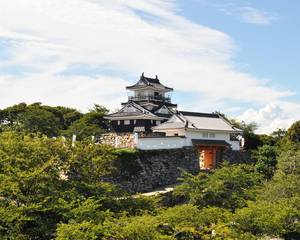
pixel 54 121
pixel 50 189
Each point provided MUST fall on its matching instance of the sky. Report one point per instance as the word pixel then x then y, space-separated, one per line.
pixel 241 58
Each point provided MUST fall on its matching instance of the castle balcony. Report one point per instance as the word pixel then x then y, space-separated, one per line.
pixel 150 98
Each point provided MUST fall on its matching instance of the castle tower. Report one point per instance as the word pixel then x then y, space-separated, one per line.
pixel 149 104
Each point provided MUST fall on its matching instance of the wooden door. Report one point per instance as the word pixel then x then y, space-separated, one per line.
pixel 209 159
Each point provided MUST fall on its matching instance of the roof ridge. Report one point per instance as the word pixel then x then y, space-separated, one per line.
pixel 231 125
pixel 187 120
pixel 145 111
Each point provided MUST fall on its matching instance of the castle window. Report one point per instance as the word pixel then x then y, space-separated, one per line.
pixel 119 122
pixel 205 135
pixel 126 122
pixel 212 135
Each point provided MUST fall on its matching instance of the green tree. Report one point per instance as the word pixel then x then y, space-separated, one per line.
pixel 32 119
pixel 10 117
pixel 277 219
pixel 228 187
pixel 293 133
pixel 36 120
pixel 267 161
pixel 278 134
pixel 70 115
pixel 267 140
pixel 35 195
pixel 91 124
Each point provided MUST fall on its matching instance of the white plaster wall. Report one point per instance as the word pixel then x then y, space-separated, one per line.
pixel 173 132
pixel 235 145
pixel 160 143
pixel 198 135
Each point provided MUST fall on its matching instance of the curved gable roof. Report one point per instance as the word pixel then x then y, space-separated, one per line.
pixel 197 121
pixel 146 82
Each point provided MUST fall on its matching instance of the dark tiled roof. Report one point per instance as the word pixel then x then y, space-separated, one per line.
pixel 149 82
pixel 125 114
pixel 204 142
pixel 198 114
pixel 163 115
pixel 163 137
pixel 141 112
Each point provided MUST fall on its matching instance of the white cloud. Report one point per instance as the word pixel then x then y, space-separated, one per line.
pixel 80 92
pixel 249 14
pixel 274 115
pixel 45 39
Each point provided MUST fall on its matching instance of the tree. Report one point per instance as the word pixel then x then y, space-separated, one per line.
pixel 36 120
pixel 267 161
pixel 32 119
pixel 31 186
pixel 279 218
pixel 91 124
pixel 228 187
pixel 278 134
pixel 34 193
pixel 293 133
pixel 70 115
pixel 10 117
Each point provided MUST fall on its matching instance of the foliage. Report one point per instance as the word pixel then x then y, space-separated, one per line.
pixel 127 163
pixel 35 196
pixel 69 115
pixel 51 189
pixel 293 133
pixel 279 218
pixel 228 187
pixel 91 124
pixel 278 134
pixel 267 139
pixel 54 121
pixel 267 161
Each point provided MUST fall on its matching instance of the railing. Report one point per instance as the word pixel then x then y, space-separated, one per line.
pixel 150 97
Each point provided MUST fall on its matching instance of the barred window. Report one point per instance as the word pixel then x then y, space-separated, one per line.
pixel 212 135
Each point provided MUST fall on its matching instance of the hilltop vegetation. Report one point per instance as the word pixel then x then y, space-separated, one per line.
pixel 53 190
pixel 54 121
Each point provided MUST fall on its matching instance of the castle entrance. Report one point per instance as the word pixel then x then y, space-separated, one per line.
pixel 207 158
pixel 209 152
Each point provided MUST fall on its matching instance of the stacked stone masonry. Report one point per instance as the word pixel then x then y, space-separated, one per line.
pixel 237 157
pixel 125 140
pixel 159 167
pixel 164 166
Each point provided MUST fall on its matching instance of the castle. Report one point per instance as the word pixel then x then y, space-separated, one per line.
pixel 157 124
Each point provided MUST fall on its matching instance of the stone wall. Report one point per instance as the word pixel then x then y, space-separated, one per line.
pixel 125 140
pixel 159 167
pixel 236 157
pixel 163 167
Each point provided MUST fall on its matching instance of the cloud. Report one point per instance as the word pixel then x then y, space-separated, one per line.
pixel 249 14
pixel 80 92
pixel 79 52
pixel 274 115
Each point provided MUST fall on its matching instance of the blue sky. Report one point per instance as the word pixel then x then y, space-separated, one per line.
pixel 237 57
